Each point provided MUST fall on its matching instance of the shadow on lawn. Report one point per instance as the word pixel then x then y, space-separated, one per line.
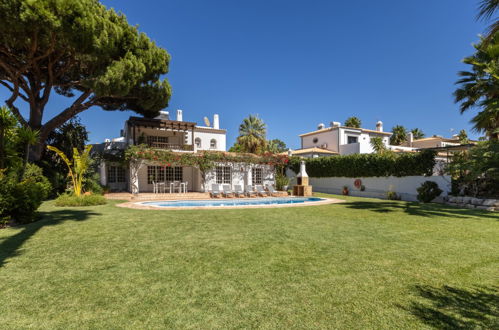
pixel 419 209
pixel 9 246
pixel 453 308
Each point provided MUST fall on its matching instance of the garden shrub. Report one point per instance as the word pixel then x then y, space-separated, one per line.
pixel 35 173
pixel 20 200
pixel 393 196
pixel 83 200
pixel 369 165
pixel 476 172
pixel 428 191
pixel 281 181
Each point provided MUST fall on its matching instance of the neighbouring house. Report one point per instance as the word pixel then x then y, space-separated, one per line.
pixel 179 137
pixel 444 148
pixel 339 140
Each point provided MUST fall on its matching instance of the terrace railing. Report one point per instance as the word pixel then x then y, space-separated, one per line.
pixel 172 146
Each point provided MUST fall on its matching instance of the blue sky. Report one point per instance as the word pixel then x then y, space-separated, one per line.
pixel 300 63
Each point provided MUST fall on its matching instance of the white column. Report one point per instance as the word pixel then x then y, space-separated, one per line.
pixel 134 176
pixel 103 172
pixel 249 178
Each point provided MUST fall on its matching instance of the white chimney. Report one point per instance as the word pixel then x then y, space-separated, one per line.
pixel 164 115
pixel 379 126
pixel 335 124
pixel 410 138
pixel 321 126
pixel 216 122
pixel 179 115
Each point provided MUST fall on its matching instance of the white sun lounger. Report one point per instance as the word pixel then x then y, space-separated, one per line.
pixel 238 190
pixel 248 190
pixel 271 190
pixel 215 190
pixel 227 191
pixel 261 191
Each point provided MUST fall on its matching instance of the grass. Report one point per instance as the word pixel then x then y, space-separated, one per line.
pixel 365 263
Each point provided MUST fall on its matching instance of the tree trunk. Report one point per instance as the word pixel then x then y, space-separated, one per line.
pixel 37 150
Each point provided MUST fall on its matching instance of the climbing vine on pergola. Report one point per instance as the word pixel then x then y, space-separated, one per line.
pixel 204 160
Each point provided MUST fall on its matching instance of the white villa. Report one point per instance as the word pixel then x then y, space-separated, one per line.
pixel 339 140
pixel 178 136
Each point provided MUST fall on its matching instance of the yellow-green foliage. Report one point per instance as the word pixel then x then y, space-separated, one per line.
pixel 77 167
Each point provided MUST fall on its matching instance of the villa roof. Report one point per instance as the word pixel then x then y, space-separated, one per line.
pixel 313 150
pixel 440 138
pixel 363 130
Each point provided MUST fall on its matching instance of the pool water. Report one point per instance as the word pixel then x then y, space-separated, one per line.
pixel 235 202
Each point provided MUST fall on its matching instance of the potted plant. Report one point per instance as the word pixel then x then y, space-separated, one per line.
pixel 345 190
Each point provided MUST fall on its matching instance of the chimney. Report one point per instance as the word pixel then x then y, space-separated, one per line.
pixel 335 124
pixel 216 122
pixel 379 126
pixel 410 139
pixel 163 115
pixel 179 115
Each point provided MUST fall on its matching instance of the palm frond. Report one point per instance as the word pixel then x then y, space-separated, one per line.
pixel 486 9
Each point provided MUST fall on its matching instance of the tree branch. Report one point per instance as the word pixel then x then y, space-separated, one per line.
pixel 21 95
pixel 13 108
pixel 77 107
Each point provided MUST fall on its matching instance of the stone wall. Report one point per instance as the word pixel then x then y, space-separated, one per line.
pixel 474 203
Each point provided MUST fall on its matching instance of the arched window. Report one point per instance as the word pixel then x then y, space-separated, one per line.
pixel 197 141
pixel 213 144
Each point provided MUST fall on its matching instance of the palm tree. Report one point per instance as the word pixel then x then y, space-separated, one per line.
pixel 28 137
pixel 353 121
pixel 7 122
pixel 486 9
pixel 378 145
pixel 399 135
pixel 417 133
pixel 479 87
pixel 252 134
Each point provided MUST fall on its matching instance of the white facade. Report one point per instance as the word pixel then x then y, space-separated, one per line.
pixel 344 140
pixel 209 138
pixel 178 136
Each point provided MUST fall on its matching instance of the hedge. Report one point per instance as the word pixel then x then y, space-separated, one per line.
pixel 369 165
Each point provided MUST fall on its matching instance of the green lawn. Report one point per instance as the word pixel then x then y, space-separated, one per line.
pixel 365 263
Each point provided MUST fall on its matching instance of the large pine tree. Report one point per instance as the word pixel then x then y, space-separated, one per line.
pixel 80 50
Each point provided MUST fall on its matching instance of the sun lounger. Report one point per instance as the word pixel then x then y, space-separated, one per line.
pixel 271 190
pixel 260 191
pixel 215 190
pixel 238 190
pixel 248 190
pixel 227 191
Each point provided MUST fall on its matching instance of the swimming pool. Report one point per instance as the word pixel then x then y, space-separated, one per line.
pixel 243 202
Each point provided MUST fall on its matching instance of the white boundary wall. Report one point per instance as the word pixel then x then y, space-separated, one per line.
pixel 378 186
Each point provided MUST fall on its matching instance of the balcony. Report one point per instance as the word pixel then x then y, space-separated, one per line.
pixel 171 146
pixel 351 148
